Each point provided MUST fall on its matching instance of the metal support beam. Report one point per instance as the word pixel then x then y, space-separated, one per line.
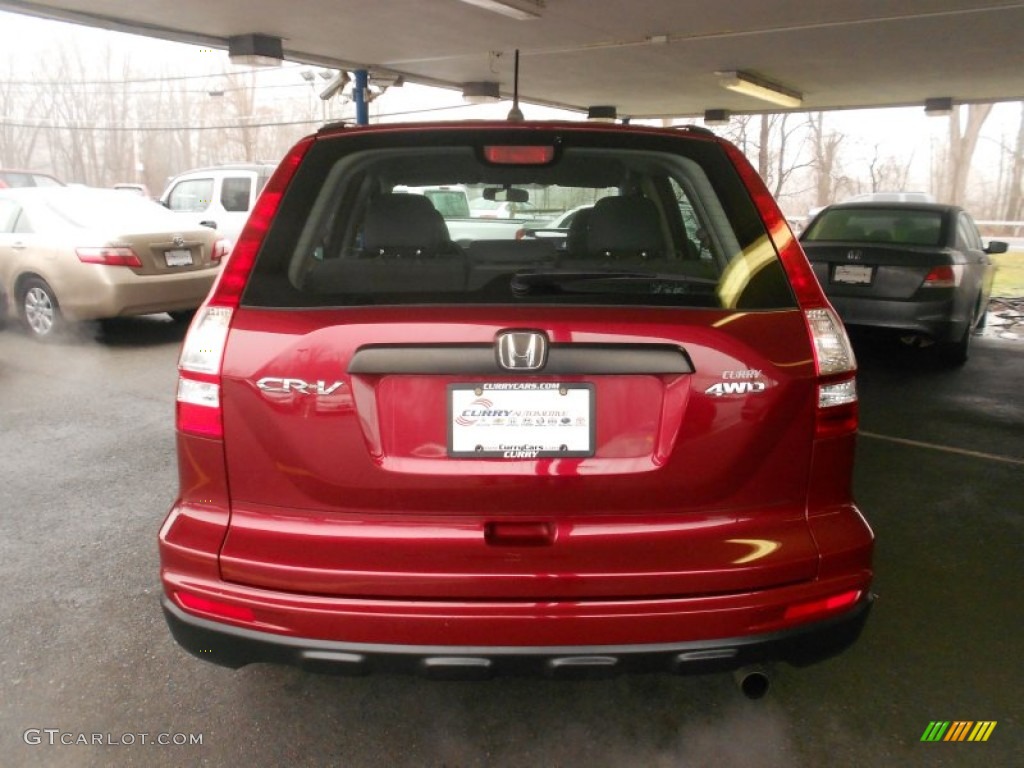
pixel 359 94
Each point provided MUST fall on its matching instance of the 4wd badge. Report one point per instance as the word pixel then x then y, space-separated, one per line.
pixel 723 388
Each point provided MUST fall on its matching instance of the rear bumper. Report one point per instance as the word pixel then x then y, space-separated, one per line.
pixel 117 291
pixel 235 647
pixel 936 319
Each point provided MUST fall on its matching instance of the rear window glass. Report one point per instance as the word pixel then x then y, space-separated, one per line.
pixel 661 221
pixel 876 225
pixel 107 209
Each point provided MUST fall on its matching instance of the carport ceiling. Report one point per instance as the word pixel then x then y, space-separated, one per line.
pixel 649 58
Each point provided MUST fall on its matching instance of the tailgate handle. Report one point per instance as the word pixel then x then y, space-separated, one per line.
pixel 516 534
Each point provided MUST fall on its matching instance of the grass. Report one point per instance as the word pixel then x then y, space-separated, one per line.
pixel 1009 282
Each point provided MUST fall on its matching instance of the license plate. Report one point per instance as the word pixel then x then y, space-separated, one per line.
pixel 852 274
pixel 178 257
pixel 520 420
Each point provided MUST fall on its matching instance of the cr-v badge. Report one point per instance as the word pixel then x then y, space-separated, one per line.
pixel 298 386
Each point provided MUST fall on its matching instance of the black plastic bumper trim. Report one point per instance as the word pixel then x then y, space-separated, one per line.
pixel 236 647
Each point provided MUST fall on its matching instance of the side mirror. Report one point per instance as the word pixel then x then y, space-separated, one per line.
pixel 996 246
pixel 210 224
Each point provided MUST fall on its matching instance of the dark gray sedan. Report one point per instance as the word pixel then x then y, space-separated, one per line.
pixel 915 268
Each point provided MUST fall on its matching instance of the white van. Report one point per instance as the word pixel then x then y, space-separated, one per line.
pixel 219 197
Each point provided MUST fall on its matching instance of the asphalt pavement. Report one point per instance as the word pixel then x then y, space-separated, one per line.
pixel 89 675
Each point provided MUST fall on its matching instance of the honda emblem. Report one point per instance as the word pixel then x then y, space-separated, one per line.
pixel 522 350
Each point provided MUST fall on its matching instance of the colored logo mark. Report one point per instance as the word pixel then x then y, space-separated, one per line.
pixel 958 730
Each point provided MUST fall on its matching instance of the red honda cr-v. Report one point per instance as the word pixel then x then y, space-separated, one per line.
pixel 417 443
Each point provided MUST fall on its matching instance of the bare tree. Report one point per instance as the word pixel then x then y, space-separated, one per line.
pixel 19 135
pixel 1014 210
pixel 773 150
pixel 963 139
pixel 888 172
pixel 825 146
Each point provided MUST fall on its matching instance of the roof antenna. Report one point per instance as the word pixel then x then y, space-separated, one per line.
pixel 515 115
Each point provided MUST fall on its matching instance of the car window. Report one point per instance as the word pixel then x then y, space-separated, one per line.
pixel 22 224
pixel 46 181
pixel 235 192
pixel 343 237
pixel 191 195
pixel 96 208
pixel 968 237
pixel 451 204
pixel 8 215
pixel 876 225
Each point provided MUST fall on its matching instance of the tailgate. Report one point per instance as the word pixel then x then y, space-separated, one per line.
pixel 347 478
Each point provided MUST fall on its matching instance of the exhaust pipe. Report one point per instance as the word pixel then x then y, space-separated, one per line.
pixel 753 682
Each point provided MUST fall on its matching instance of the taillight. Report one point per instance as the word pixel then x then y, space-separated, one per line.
pixel 836 367
pixel 946 276
pixel 220 250
pixel 199 366
pixel 111 256
pixel 202 353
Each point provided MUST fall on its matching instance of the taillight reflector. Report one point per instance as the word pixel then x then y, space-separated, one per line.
pixel 519 155
pixel 822 607
pixel 118 256
pixel 225 610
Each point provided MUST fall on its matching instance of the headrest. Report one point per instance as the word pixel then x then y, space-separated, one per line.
pixel 403 221
pixel 576 237
pixel 625 225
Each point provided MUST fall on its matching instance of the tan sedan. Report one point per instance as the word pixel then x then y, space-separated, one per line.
pixel 76 253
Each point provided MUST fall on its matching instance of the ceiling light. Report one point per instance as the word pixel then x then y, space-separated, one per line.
pixel 255 50
pixel 481 92
pixel 716 117
pixel 759 88
pixel 602 113
pixel 516 10
pixel 938 107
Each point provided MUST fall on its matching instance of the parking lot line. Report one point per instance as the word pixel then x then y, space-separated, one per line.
pixel 944 448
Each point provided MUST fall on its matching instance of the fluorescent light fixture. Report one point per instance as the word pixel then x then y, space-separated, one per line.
pixel 516 10
pixel 255 50
pixel 716 117
pixel 481 92
pixel 602 113
pixel 938 107
pixel 759 88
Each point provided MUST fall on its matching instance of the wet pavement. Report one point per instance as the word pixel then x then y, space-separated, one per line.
pixel 87 471
pixel 1005 319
